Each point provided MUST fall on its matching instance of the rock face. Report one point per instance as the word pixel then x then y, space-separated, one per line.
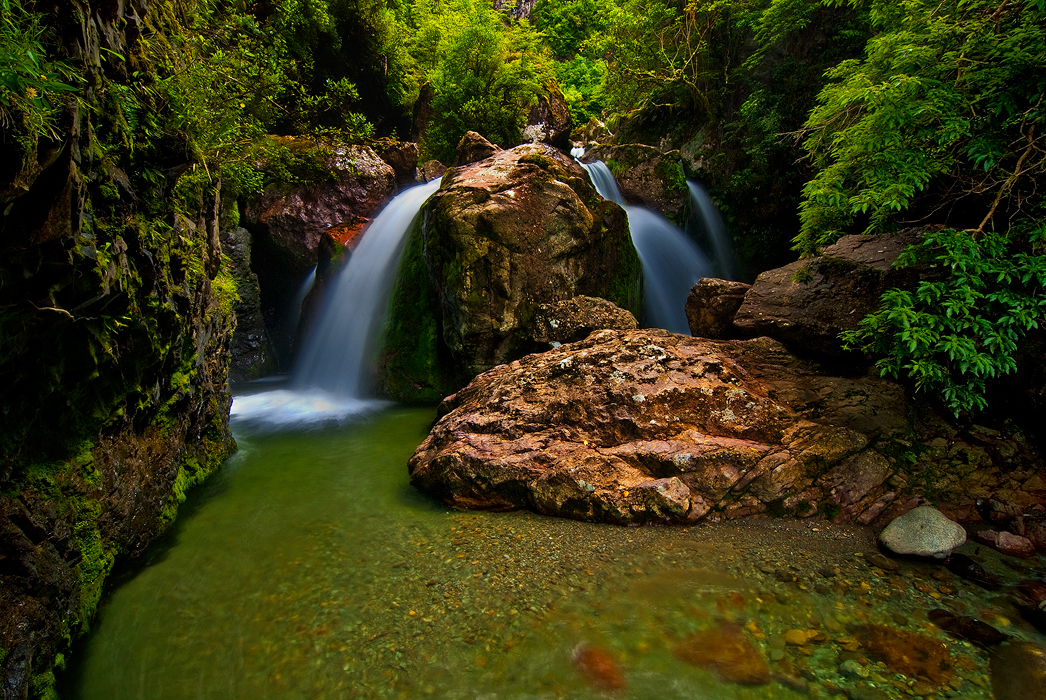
pixel 402 157
pixel 549 120
pixel 251 356
pixel 292 219
pixel 648 426
pixel 808 303
pixel 500 237
pixel 923 531
pixel 574 319
pixel 115 320
pixel 712 305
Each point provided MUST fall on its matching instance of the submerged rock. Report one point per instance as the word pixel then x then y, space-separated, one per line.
pixel 915 655
pixel 923 531
pixel 599 668
pixel 964 567
pixel 968 628
pixel 1018 672
pixel 726 651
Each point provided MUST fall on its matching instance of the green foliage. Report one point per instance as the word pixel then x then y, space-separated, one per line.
pixel 954 334
pixel 483 71
pixel 948 98
pixel 32 84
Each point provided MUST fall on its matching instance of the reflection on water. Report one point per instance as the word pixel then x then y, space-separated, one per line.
pixel 309 568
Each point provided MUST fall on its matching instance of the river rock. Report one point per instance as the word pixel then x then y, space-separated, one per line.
pixel 500 238
pixel 1006 542
pixel 969 628
pixel 1018 671
pixel 808 303
pixel 472 148
pixel 574 319
pixel 711 306
pixel 923 531
pixel 725 651
pixel 915 655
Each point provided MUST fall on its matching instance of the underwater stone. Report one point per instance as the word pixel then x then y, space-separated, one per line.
pixel 923 531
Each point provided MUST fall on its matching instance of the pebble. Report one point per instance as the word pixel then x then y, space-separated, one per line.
pixel 851 669
pixel 884 563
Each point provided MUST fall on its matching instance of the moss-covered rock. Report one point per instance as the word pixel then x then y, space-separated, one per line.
pixel 116 309
pixel 499 238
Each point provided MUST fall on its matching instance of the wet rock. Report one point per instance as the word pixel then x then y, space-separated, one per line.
pixel 964 567
pixel 852 669
pixel 711 306
pixel 1007 543
pixel 1018 672
pixel 599 668
pixel 576 318
pixel 251 356
pixel 807 304
pixel 968 628
pixel 798 637
pixel 1034 590
pixel 915 655
pixel 725 651
pixel 473 148
pixel 923 531
pixel 646 175
pixel 549 120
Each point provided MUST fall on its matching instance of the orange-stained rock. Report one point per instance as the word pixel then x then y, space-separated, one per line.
pixel 910 653
pixel 726 651
pixel 599 667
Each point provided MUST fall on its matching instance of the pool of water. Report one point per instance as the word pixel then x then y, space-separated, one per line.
pixel 309 568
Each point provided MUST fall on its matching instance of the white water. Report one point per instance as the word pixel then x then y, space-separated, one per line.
pixel 672 263
pixel 705 223
pixel 333 373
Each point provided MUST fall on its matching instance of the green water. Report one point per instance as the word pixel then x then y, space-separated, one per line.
pixel 309 568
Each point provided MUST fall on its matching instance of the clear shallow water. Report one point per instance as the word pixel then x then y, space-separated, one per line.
pixel 309 568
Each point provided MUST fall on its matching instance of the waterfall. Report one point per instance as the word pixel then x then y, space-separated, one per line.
pixel 299 298
pixel 672 263
pixel 331 379
pixel 706 224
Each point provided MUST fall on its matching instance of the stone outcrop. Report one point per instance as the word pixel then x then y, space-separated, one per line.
pixel 808 303
pixel 549 120
pixel 648 426
pixel 574 319
pixel 292 218
pixel 500 237
pixel 402 157
pixel 251 356
pixel 115 320
pixel 712 305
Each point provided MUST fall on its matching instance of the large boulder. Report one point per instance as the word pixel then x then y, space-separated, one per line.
pixel 923 531
pixel 473 147
pixel 807 304
pixel 500 237
pixel 649 426
pixel 402 157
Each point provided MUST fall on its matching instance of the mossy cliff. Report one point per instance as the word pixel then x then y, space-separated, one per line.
pixel 498 239
pixel 115 318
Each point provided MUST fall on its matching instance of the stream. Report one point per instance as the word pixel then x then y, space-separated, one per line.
pixel 308 567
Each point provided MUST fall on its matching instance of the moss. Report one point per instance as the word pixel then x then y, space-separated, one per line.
pixel 543 162
pixel 671 174
pixel 42 686
pixel 414 360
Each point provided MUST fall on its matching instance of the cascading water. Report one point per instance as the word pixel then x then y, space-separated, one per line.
pixel 331 377
pixel 672 263
pixel 705 223
pixel 303 291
